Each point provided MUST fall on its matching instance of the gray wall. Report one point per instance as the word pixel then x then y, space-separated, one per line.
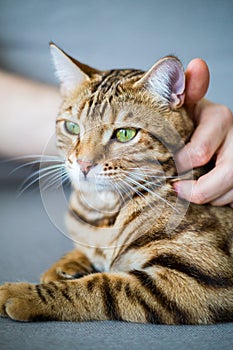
pixel 124 33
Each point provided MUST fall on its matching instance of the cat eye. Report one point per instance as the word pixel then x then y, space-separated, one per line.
pixel 72 128
pixel 124 135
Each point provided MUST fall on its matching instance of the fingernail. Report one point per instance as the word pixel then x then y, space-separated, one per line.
pixel 185 189
pixel 176 187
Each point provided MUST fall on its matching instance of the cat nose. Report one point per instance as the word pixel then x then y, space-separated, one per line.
pixel 85 166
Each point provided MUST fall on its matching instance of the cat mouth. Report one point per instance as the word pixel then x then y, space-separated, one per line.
pixel 92 183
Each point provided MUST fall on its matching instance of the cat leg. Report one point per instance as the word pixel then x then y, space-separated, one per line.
pixel 132 297
pixel 73 265
pixel 100 296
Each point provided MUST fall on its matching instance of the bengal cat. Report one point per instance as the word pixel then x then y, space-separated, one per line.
pixel 141 255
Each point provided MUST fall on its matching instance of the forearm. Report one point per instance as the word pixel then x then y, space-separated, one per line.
pixel 27 115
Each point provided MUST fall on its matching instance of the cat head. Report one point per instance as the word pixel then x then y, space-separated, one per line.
pixel 120 127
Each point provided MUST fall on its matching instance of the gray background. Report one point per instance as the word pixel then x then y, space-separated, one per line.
pixel 104 34
pixel 124 33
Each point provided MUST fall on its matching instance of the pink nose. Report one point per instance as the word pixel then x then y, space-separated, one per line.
pixel 85 166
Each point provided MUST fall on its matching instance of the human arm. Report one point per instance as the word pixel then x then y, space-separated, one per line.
pixel 27 115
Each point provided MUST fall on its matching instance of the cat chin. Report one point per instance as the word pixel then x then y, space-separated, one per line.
pixel 88 186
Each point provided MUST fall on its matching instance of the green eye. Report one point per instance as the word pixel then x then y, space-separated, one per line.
pixel 124 135
pixel 72 128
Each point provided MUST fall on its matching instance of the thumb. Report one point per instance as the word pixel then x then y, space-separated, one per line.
pixel 197 81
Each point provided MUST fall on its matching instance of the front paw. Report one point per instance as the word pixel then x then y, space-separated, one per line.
pixel 4 298
pixel 19 301
pixel 67 269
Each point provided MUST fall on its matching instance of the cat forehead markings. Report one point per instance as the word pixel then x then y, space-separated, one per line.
pixel 107 134
pixel 124 116
pixel 103 90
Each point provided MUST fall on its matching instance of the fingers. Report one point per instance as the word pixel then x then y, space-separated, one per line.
pixel 225 159
pixel 208 187
pixel 216 186
pixel 190 190
pixel 213 136
pixel 227 198
pixel 197 81
pixel 214 122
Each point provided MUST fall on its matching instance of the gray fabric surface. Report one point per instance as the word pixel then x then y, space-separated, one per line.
pixel 114 336
pixel 104 34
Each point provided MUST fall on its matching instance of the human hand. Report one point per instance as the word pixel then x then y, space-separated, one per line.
pixel 213 137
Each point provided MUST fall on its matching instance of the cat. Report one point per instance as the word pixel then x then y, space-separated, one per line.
pixel 141 255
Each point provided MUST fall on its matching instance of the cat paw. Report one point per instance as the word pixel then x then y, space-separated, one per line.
pixel 66 271
pixel 16 301
pixel 72 266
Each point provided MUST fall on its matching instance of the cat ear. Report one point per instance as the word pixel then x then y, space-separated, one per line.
pixel 167 79
pixel 69 71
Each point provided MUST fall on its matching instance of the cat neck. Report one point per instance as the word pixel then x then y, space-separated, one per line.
pixel 102 209
pixel 98 209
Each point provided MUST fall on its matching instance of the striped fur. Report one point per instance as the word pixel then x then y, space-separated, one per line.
pixel 127 265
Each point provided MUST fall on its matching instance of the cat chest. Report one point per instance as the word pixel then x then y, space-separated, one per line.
pixel 107 259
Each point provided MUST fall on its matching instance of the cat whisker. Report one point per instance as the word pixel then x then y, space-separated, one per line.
pixel 144 169
pixel 34 157
pixel 37 161
pixel 45 173
pixel 42 170
pixel 137 192
pixel 56 180
pixel 30 184
pixel 127 188
pixel 141 177
pixel 152 175
pixel 158 184
pixel 116 186
pixel 150 191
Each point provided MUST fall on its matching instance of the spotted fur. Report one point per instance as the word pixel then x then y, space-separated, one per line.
pixel 140 254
